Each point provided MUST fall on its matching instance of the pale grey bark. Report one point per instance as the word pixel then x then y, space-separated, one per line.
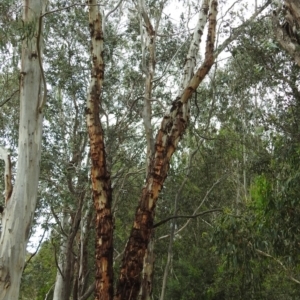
pixel 148 37
pixel 20 207
pixel 59 289
pixel 83 257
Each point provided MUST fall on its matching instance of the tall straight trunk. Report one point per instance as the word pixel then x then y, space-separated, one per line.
pixel 171 130
pixel 20 206
pixel 83 249
pixel 60 289
pixel 148 67
pixel 101 183
pixel 66 261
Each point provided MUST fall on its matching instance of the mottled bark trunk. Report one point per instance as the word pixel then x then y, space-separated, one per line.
pixel 191 58
pixel 148 37
pixel 20 207
pixel 171 130
pixel 147 272
pixel 101 184
pixel 287 33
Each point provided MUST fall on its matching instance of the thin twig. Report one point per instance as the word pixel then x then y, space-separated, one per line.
pixel 48 293
pixel 36 251
pixel 279 262
pixel 187 217
pixel 237 31
pixel 88 292
pixel 195 211
pixel 9 98
pixel 114 9
pixel 56 262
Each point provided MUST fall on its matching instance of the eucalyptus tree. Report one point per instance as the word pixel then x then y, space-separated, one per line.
pixel 172 128
pixel 20 200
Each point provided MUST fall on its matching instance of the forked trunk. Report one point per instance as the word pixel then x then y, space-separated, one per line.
pixel 171 130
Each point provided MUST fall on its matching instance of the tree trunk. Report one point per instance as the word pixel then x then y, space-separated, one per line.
pixel 60 290
pixel 83 249
pixel 64 278
pixel 148 37
pixel 20 207
pixel 287 33
pixel 172 128
pixel 101 183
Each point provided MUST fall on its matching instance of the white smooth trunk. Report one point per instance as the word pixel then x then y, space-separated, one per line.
pixel 19 210
pixel 83 258
pixel 59 290
pixel 191 58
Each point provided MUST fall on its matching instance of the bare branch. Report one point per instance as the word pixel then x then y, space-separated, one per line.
pixel 9 98
pixel 89 292
pixel 36 251
pixel 195 211
pixel 55 258
pixel 239 30
pixel 262 253
pixel 48 293
pixel 186 217
pixel 114 9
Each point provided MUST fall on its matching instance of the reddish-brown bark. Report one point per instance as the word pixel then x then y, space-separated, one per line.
pixel 172 128
pixel 101 184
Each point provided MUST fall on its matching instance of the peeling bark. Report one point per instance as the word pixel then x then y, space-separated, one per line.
pixel 101 183
pixel 287 33
pixel 191 58
pixel 4 154
pixel 147 272
pixel 171 130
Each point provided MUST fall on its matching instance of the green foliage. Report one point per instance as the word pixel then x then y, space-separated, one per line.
pixel 39 275
pixel 260 192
